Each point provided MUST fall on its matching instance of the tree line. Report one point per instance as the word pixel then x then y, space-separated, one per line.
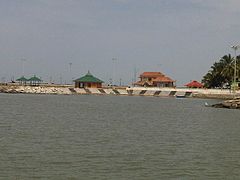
pixel 221 73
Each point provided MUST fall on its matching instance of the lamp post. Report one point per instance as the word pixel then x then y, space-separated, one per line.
pixel 114 70
pixel 235 48
pixel 134 75
pixel 23 66
pixel 70 68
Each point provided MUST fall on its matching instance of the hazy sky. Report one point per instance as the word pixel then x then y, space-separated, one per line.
pixel 181 38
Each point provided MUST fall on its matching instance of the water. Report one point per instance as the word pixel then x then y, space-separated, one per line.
pixel 113 137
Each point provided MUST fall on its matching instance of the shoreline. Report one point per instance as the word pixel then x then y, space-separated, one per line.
pixel 126 91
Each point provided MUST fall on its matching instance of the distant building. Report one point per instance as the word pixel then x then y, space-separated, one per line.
pixel 88 81
pixel 194 84
pixel 154 79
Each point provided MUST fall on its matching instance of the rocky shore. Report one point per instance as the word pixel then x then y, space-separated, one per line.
pixel 230 104
pixel 60 90
pixel 34 90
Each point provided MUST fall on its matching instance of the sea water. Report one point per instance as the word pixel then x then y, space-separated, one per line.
pixel 116 137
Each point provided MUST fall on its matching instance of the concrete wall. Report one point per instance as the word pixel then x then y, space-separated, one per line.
pixel 132 91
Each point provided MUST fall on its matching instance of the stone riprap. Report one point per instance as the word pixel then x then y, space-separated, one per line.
pixel 230 104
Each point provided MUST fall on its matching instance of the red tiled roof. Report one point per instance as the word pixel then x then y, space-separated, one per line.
pixel 141 83
pixel 194 84
pixel 151 74
pixel 163 79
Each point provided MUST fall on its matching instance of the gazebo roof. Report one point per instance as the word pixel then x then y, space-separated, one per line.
pixel 163 79
pixel 35 78
pixel 194 84
pixel 22 79
pixel 89 78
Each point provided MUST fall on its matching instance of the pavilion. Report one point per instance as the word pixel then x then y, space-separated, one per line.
pixel 88 81
pixel 22 80
pixel 34 81
pixel 194 84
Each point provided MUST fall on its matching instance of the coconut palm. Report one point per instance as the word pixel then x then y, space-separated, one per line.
pixel 221 72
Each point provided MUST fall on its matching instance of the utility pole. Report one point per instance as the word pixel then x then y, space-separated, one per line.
pixel 23 66
pixel 70 69
pixel 134 75
pixel 110 82
pixel 50 79
pixel 235 48
pixel 61 79
pixel 114 71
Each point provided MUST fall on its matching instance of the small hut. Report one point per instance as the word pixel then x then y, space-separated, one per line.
pixel 194 84
pixel 22 80
pixel 88 81
pixel 34 81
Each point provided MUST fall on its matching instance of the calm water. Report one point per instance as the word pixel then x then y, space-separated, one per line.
pixel 112 137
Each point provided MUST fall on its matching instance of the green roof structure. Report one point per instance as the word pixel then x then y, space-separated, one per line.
pixel 23 79
pixel 35 79
pixel 88 78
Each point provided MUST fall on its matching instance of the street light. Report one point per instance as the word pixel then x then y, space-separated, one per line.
pixel 23 67
pixel 70 68
pixel 235 48
pixel 114 70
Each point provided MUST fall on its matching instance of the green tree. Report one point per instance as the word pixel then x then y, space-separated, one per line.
pixel 221 72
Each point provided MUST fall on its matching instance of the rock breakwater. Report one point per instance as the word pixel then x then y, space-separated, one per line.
pixel 230 104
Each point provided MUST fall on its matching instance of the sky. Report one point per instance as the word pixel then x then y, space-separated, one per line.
pixel 60 40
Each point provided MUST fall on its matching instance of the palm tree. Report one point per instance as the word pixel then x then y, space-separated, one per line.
pixel 221 72
pixel 227 63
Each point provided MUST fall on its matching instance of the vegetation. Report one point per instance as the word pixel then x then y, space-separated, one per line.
pixel 221 73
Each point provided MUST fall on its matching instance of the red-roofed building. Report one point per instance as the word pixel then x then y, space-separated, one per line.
pixel 194 84
pixel 154 79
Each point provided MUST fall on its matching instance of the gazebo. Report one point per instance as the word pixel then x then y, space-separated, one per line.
pixel 22 80
pixel 194 84
pixel 88 81
pixel 34 81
